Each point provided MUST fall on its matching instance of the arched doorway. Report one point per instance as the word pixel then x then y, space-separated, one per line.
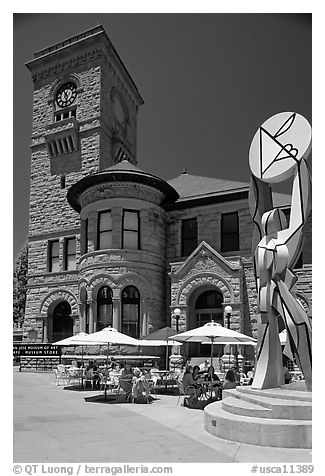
pixel 104 308
pixel 131 311
pixel 208 307
pixel 62 321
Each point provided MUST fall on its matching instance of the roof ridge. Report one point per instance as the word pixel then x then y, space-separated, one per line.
pixel 208 178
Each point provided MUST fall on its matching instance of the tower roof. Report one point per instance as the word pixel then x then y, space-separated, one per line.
pixel 123 171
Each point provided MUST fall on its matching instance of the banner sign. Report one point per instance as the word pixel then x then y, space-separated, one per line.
pixel 35 350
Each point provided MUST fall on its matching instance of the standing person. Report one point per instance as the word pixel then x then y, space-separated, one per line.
pixel 96 376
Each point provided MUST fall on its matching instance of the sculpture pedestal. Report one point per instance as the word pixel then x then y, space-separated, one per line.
pixel 278 417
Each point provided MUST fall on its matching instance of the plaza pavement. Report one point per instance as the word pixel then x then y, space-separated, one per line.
pixel 54 424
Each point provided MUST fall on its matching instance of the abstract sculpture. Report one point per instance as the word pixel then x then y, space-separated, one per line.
pixel 278 152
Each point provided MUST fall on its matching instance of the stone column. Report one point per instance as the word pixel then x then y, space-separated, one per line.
pixel 45 330
pixel 116 310
pixel 91 316
pixel 144 318
pixel 82 318
pixel 116 314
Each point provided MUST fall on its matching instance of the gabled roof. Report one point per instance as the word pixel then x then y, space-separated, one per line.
pixel 209 252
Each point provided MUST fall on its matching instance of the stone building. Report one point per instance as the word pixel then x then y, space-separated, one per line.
pixel 111 244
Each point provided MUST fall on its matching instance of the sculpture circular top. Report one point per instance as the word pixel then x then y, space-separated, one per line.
pixel 278 146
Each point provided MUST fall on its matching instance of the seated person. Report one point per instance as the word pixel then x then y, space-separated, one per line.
pixel 196 373
pixel 125 380
pixel 188 381
pixel 230 380
pixel 112 366
pixel 250 375
pixel 204 367
pixel 139 384
pixel 286 374
pixel 214 382
pixel 89 373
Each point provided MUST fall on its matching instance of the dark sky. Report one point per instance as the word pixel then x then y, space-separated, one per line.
pixel 208 82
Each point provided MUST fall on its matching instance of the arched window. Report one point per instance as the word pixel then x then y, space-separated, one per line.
pixel 131 311
pixel 62 322
pixel 104 308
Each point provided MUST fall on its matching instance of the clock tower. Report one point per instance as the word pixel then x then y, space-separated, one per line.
pixel 84 120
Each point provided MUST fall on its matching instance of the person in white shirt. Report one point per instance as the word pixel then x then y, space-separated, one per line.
pixel 204 366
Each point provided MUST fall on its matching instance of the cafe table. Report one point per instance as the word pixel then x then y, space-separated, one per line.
pixel 165 377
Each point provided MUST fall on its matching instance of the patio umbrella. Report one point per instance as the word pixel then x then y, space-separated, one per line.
pixel 234 342
pixel 109 335
pixel 162 334
pixel 157 343
pixel 75 341
pixel 213 333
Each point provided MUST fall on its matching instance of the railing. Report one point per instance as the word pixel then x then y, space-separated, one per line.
pixel 39 363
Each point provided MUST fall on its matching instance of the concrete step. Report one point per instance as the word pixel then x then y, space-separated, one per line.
pixel 282 393
pixel 257 431
pixel 242 407
pixel 277 407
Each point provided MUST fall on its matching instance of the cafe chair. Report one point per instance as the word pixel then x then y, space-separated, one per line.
pixel 152 383
pixel 125 386
pixel 74 375
pixel 105 382
pixel 184 392
pixel 141 390
pixel 60 375
pixel 243 379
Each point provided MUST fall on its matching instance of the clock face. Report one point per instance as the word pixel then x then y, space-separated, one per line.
pixel 66 94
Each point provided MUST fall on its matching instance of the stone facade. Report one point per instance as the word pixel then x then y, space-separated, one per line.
pixel 84 164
